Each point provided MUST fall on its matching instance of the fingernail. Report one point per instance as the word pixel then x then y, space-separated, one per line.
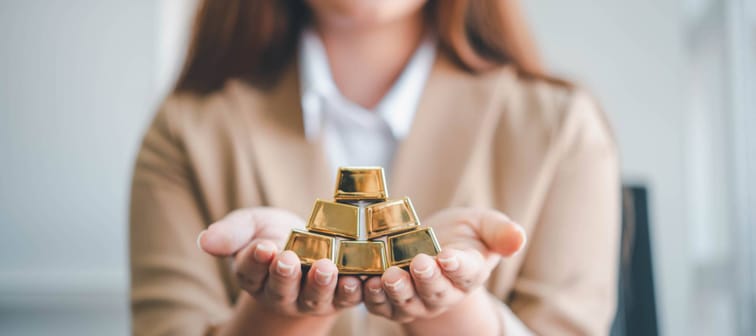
pixel 263 252
pixel 396 285
pixel 323 277
pixel 524 239
pixel 375 291
pixel 198 239
pixel 449 264
pixel 424 273
pixel 284 269
pixel 350 288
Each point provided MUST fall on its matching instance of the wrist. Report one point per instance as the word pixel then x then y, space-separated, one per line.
pixel 250 316
pixel 473 315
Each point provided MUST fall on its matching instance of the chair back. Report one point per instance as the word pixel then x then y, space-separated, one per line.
pixel 636 304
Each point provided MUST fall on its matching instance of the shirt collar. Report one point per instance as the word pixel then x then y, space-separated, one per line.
pixel 397 108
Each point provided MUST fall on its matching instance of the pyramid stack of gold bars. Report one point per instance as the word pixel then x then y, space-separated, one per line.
pixel 391 234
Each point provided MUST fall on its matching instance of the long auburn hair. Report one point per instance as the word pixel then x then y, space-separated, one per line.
pixel 255 40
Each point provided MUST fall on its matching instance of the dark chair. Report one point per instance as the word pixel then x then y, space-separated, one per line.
pixel 636 305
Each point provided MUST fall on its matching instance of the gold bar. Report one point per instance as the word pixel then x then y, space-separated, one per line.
pixel 335 219
pixel 403 247
pixel 360 184
pixel 310 246
pixel 390 217
pixel 361 257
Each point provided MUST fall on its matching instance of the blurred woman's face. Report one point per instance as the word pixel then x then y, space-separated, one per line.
pixel 362 13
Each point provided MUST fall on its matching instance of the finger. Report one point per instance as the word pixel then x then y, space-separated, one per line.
pixel 376 301
pixel 500 234
pixel 232 233
pixel 282 287
pixel 252 263
pixel 348 292
pixel 317 294
pixel 465 269
pixel 400 291
pixel 432 287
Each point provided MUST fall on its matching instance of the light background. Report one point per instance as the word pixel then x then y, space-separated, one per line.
pixel 80 79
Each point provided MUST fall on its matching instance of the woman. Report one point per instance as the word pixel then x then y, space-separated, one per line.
pixel 449 96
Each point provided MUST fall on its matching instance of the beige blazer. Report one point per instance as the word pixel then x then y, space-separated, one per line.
pixel 538 151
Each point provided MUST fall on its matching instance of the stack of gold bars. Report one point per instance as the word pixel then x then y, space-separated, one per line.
pixel 362 232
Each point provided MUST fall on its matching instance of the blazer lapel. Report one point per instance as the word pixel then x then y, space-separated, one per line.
pixel 292 171
pixel 449 126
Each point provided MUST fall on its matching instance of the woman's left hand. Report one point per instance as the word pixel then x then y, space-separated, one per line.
pixel 473 241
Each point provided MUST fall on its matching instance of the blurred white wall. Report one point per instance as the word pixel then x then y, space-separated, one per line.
pixel 79 80
pixel 76 90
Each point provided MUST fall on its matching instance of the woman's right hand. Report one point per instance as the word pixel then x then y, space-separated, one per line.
pixel 254 237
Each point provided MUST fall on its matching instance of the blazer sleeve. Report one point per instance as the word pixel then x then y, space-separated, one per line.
pixel 567 284
pixel 175 288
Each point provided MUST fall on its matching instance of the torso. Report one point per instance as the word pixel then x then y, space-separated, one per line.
pixel 477 140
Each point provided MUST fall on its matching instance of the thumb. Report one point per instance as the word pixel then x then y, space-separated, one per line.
pixel 500 234
pixel 232 233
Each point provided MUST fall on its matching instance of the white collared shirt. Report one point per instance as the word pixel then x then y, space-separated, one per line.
pixel 353 135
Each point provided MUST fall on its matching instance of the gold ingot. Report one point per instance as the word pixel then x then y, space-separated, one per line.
pixel 311 247
pixel 403 247
pixel 335 219
pixel 360 184
pixel 390 217
pixel 361 257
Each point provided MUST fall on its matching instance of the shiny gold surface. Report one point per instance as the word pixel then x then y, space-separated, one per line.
pixel 395 220
pixel 360 184
pixel 335 219
pixel 403 247
pixel 310 246
pixel 390 217
pixel 361 257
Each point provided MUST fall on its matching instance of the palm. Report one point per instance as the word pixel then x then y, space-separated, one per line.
pixel 471 229
pixel 273 224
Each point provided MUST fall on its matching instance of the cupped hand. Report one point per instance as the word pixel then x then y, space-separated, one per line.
pixel 472 240
pixel 254 238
